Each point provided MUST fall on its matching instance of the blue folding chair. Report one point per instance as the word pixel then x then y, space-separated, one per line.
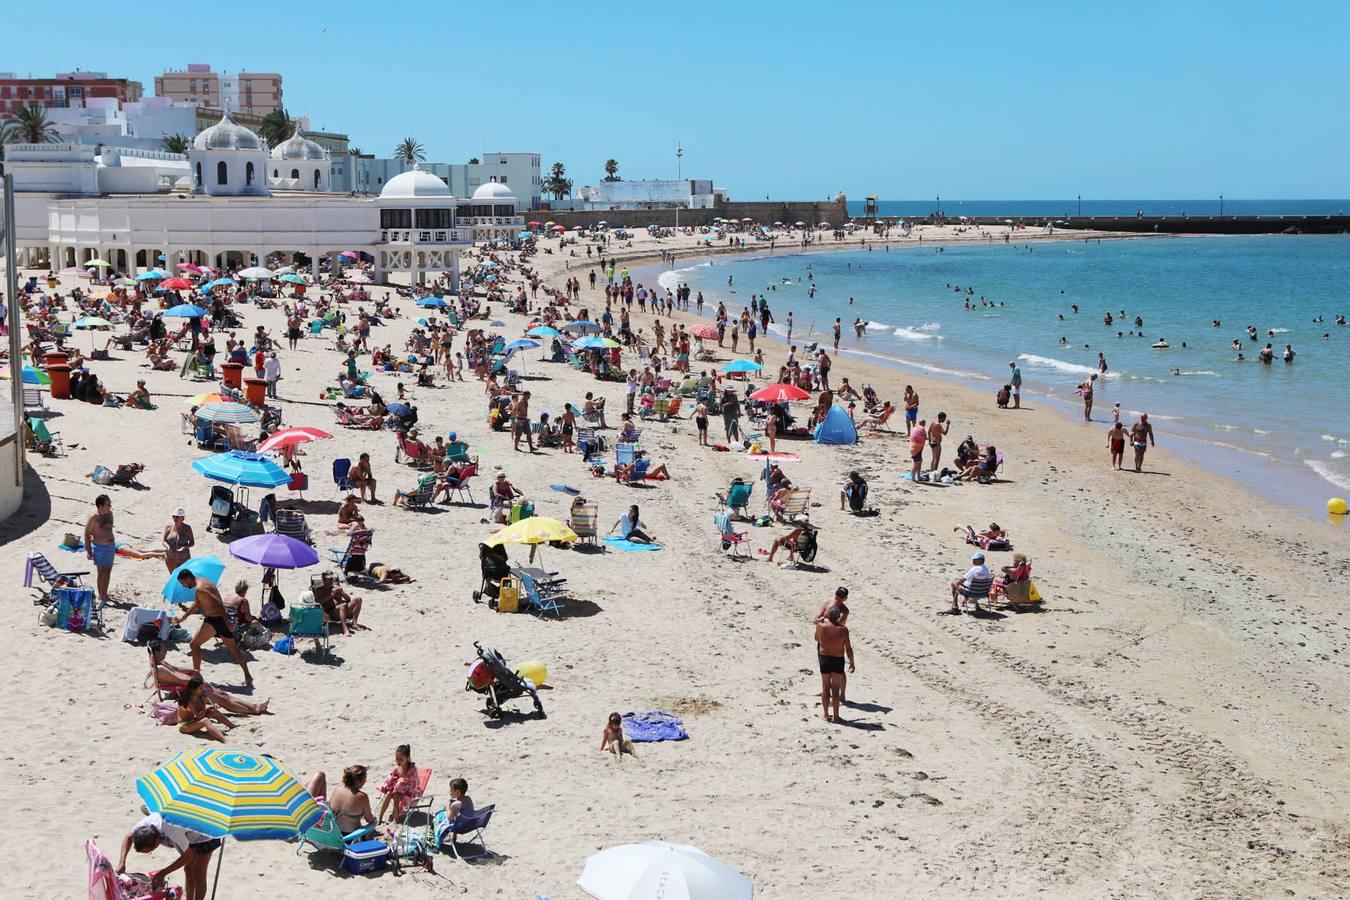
pixel 473 824
pixel 341 468
pixel 307 623
pixel 541 603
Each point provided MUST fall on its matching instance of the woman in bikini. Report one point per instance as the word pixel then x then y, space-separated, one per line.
pixel 178 540
pixel 349 803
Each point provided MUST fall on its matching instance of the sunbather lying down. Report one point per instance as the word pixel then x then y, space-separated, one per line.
pixel 387 574
pixel 624 472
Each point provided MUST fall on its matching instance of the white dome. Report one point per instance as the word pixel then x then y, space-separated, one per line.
pixel 227 134
pixel 415 183
pixel 493 190
pixel 297 146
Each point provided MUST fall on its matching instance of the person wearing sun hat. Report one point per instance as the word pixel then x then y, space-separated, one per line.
pixel 178 540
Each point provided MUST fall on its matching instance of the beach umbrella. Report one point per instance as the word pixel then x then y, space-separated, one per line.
pixel 290 437
pixel 559 228
pixel 98 263
pixel 544 331
pixel 91 322
pixel 176 283
pixel 433 303
pixel 522 344
pixel 284 270
pixel 525 235
pixel 208 567
pixel 227 412
pixel 242 468
pixel 779 393
pixel 230 793
pixel 293 278
pixel 152 275
pixel 30 375
pixel 704 331
pixel 534 530
pixel 656 869
pixel 595 343
pixel 742 365
pixel 72 270
pixel 189 267
pixel 202 399
pixel 349 254
pixel 256 273
pixel 126 282
pixel 184 311
pixel 399 409
pixel 582 326
pixel 274 551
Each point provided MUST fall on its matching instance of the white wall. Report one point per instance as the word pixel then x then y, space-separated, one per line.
pixel 11 497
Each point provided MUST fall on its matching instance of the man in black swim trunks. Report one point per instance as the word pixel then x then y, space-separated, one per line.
pixel 832 645
pixel 208 602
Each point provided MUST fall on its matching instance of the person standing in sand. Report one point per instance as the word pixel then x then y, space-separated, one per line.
pixel 100 543
pixel 178 540
pixel 918 436
pixel 1116 436
pixel 1016 382
pixel 1086 390
pixel 1141 435
pixel 832 646
pixel 520 414
pixel 211 605
pixel 911 406
pixel 936 430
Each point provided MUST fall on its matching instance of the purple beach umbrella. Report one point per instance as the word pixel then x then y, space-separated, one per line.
pixel 274 551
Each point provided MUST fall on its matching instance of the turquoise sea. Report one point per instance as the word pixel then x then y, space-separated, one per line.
pixel 1284 429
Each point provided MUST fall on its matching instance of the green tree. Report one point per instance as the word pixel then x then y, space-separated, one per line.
pixel 276 127
pixel 409 151
pixel 176 143
pixel 30 125
pixel 558 184
pixel 612 170
pixel 473 160
pixel 354 151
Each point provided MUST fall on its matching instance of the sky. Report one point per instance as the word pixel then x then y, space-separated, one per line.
pixel 795 100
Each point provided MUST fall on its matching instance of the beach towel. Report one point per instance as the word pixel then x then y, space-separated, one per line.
pixel 627 546
pixel 565 489
pixel 651 727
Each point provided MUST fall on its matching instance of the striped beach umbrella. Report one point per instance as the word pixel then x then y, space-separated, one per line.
pixel 227 412
pixel 230 793
pixel 289 437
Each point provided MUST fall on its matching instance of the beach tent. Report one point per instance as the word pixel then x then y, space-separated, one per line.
pixel 836 428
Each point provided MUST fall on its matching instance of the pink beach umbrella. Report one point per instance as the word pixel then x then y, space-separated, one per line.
pixel 288 438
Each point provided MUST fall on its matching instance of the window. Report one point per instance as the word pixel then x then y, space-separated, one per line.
pixel 316 179
pixel 222 173
pixel 501 161
pixel 295 173
pixel 276 174
pixel 248 175
pixel 199 174
pixel 435 218
pixel 503 179
pixel 395 218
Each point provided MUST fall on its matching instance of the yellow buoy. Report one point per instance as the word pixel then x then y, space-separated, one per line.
pixel 1336 506
pixel 534 670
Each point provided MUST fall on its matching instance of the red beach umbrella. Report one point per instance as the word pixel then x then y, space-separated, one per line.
pixel 779 393
pixel 704 331
pixel 176 283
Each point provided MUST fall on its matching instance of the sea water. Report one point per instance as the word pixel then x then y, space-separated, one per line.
pixel 1283 428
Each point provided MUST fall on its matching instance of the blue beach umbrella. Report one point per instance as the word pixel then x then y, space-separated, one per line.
pixel 543 331
pixel 230 793
pixel 242 468
pixel 184 311
pixel 525 235
pixel 742 365
pixel 208 567
pixel 522 344
pixel 30 375
pixel 432 303
pixel 152 275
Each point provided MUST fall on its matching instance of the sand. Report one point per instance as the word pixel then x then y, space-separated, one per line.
pixel 1172 723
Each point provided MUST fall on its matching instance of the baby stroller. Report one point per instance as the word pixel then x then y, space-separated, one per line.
pixel 222 508
pixel 495 567
pixel 490 676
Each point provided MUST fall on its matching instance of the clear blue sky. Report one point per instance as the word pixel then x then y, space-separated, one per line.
pixel 975 100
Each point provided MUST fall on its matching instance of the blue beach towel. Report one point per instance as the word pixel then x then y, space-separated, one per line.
pixel 565 489
pixel 627 546
pixel 650 727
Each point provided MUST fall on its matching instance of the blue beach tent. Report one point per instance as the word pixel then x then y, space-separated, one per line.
pixel 836 428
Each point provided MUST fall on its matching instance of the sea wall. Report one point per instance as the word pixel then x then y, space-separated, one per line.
pixel 763 212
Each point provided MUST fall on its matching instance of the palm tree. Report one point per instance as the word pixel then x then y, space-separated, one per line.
pixel 30 126
pixel 557 183
pixel 473 160
pixel 276 126
pixel 409 151
pixel 354 151
pixel 176 143
pixel 612 170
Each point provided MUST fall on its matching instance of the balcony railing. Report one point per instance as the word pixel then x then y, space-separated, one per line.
pixel 418 236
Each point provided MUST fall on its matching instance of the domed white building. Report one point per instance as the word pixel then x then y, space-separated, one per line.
pixel 417 225
pixel 491 213
pixel 300 164
pixel 228 160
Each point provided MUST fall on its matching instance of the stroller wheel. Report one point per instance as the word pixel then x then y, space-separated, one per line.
pixel 477 596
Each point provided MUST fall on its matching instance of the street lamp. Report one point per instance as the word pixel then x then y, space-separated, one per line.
pixel 1221 204
pixel 1080 206
pixel 679 176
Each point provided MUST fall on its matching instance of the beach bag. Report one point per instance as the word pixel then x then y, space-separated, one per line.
pixel 1033 594
pixel 102 475
pixel 165 713
pixel 256 637
pixel 285 645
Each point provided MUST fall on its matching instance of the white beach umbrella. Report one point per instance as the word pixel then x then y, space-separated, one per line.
pixel 256 273
pixel 656 869
pixel 285 270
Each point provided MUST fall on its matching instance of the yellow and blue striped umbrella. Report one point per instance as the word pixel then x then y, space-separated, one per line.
pixel 227 412
pixel 231 793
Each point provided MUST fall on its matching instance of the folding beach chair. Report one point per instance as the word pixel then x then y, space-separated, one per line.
pixel 341 468
pixel 672 410
pixel 976 591
pixel 53 579
pixel 736 541
pixel 420 496
pixel 737 498
pixel 637 474
pixel 32 399
pixel 291 522
pixel 325 836
pixel 351 559
pixel 796 502
pixel 456 451
pixel 460 485
pixel 624 454
pixel 541 601
pixel 585 522
pixel 473 824
pixel 308 623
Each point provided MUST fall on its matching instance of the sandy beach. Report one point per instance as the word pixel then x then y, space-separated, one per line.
pixel 1173 722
